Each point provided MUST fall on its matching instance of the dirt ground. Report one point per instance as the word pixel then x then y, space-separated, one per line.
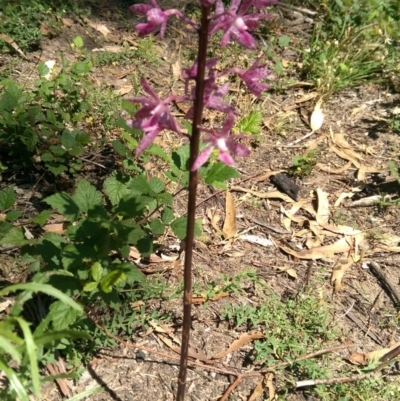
pixel 353 148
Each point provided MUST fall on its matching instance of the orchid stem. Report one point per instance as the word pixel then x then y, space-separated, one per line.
pixel 193 181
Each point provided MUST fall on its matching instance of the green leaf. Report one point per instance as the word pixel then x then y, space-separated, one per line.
pixel 115 190
pixel 133 274
pixel 52 336
pixel 220 172
pixel 8 347
pixel 67 140
pixel 284 41
pixel 13 215
pixel 156 227
pixel 167 215
pixel 251 124
pixel 47 157
pixel 78 42
pixel 140 185
pixel 165 199
pixel 14 237
pixel 56 168
pixel 86 196
pixel 41 218
pixel 178 226
pixel 64 204
pixel 43 69
pixel 115 277
pixel 89 287
pixel 7 198
pixel 119 147
pixel 86 394
pixel 15 383
pixel 62 315
pixel 31 351
pixel 156 185
pixel 45 288
pixel 97 271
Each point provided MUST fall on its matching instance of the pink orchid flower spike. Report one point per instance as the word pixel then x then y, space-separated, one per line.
pixel 235 23
pixel 225 142
pixel 156 17
pixel 154 116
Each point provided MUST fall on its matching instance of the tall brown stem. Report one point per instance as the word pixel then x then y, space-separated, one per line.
pixel 193 181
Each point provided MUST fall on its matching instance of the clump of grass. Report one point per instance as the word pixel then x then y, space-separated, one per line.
pixel 355 43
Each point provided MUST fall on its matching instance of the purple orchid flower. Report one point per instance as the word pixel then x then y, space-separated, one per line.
pixel 155 17
pixel 235 24
pixel 153 117
pixel 225 142
pixel 191 73
pixel 252 77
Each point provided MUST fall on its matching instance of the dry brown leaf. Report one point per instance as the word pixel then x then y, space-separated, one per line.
pixel 269 382
pixel 258 391
pixel 326 251
pixel 291 273
pixel 330 170
pixel 201 300
pixel 214 217
pixel 67 22
pixel 378 354
pixel 338 272
pixel 322 216
pixel 340 229
pixel 123 90
pixel 357 359
pixel 243 340
pixel 265 195
pixel 342 197
pixel 137 305
pixel 98 27
pixel 229 229
pixel 12 43
pixel 317 117
pixel 58 228
pixel 176 70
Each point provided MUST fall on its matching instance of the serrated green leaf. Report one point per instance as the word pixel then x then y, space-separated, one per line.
pixel 68 140
pixel 47 157
pixel 13 215
pixel 251 124
pixel 157 150
pixel 41 218
pixel 56 168
pixel 156 185
pixel 140 185
pixel 220 172
pixel 64 204
pixel 7 198
pixel 156 227
pixel 14 237
pixel 179 225
pixel 133 274
pixel 119 147
pixel 97 271
pixel 86 196
pixel 165 199
pixel 115 190
pixel 62 315
pixel 167 215
pixel 43 69
pixel 89 287
pixel 115 277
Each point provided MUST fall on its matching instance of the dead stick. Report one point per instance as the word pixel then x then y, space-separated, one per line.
pixel 376 269
pixel 231 388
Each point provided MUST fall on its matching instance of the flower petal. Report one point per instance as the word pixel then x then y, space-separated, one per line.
pixel 202 158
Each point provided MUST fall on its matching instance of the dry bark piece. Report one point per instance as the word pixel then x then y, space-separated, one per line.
pixel 286 185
